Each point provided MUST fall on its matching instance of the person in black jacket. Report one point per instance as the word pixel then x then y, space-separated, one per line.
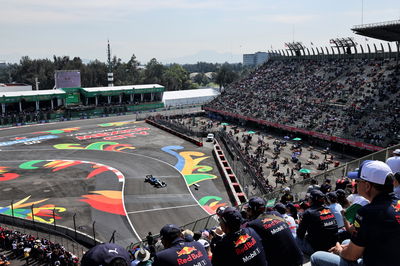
pixel 179 252
pixel 279 245
pixel 377 224
pixel 239 246
pixel 318 227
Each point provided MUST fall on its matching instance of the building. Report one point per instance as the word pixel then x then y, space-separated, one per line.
pixel 8 87
pixel 188 97
pixel 255 59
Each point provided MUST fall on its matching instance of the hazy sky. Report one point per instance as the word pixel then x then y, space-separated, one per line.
pixel 168 29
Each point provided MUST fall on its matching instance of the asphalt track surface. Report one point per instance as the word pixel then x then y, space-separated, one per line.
pixel 81 177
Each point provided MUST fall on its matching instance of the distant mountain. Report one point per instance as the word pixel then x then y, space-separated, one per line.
pixel 208 56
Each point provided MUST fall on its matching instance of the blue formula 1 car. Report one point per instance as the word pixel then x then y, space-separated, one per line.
pixel 155 181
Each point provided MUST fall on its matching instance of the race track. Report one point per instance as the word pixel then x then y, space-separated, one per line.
pixel 95 169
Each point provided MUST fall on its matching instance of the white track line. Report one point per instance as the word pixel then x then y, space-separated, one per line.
pixel 166 208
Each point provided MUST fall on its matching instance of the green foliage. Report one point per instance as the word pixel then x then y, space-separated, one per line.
pixel 94 73
pixel 201 79
pixel 225 75
pixel 176 78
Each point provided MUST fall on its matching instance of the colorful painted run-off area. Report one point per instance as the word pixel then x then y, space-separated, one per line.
pixel 106 163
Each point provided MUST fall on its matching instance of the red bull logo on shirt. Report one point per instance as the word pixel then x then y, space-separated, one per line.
pixel 244 243
pixel 241 240
pixel 324 212
pixel 186 251
pixel 266 220
pixel 192 254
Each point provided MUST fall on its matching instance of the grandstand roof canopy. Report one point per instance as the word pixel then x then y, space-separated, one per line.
pixel 116 90
pixel 387 31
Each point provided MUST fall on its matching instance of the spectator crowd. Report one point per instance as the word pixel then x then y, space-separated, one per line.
pixel 33 250
pixel 351 98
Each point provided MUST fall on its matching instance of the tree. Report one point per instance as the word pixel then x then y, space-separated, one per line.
pixel 154 72
pixel 133 72
pixel 225 75
pixel 201 79
pixel 176 78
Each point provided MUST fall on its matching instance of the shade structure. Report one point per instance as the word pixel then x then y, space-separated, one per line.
pixel 305 171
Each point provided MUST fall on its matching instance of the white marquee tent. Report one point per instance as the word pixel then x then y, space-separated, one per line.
pixel 188 97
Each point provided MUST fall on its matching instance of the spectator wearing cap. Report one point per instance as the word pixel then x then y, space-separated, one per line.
pixel 394 161
pixel 106 254
pixel 377 224
pixel 394 164
pixel 239 246
pixel 281 209
pixel 206 245
pixel 279 244
pixel 318 228
pixel 326 186
pixel 179 252
pixel 287 197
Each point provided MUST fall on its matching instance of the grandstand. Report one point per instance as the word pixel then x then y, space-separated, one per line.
pixel 342 100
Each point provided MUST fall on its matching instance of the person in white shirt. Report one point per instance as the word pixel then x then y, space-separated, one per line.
pixel 279 207
pixel 335 208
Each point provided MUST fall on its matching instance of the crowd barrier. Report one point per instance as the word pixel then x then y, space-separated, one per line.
pixel 72 240
pixel 176 133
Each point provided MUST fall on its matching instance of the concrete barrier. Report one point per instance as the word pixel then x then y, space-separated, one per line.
pixel 176 133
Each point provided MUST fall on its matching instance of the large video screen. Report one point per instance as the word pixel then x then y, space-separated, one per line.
pixel 68 79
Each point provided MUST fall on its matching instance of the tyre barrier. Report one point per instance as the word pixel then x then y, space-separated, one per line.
pixel 233 187
pixel 176 133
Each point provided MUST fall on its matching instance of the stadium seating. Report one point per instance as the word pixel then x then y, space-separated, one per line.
pixel 355 99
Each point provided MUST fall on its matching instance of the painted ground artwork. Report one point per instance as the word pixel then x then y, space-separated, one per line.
pixel 90 169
